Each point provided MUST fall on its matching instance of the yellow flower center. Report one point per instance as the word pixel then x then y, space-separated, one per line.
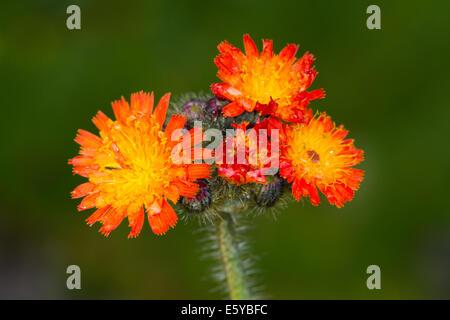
pixel 134 164
pixel 264 79
pixel 315 154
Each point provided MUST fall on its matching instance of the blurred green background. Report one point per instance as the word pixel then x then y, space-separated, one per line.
pixel 389 87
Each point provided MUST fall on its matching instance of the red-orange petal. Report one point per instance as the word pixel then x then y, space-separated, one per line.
pixel 232 109
pixel 162 221
pixel 186 188
pixel 81 161
pixel 82 190
pixel 101 121
pixel 267 51
pixel 199 171
pixel 288 52
pixel 88 202
pixel 176 122
pixel 111 221
pixel 98 215
pixel 172 193
pixel 225 90
pixel 87 139
pixel 121 110
pixel 136 221
pixel 161 109
pixel 250 47
pixel 142 102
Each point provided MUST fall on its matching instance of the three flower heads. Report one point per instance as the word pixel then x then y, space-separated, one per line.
pixel 130 164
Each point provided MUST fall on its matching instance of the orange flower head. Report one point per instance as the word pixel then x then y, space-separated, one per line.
pixel 247 156
pixel 315 155
pixel 130 169
pixel 271 84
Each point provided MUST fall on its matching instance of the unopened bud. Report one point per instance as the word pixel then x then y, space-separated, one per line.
pixel 193 109
pixel 199 202
pixel 215 105
pixel 266 195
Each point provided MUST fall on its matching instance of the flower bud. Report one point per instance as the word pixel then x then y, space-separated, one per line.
pixel 266 195
pixel 214 106
pixel 193 109
pixel 199 202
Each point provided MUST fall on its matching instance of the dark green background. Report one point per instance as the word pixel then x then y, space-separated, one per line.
pixel 389 87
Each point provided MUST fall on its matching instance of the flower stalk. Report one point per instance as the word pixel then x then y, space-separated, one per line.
pixel 230 257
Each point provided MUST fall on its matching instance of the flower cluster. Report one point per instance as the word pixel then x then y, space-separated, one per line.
pixel 265 98
pixel 314 153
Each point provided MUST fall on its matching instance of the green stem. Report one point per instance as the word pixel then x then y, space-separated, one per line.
pixel 230 257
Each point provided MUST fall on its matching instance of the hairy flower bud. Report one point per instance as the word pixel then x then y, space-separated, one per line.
pixel 266 195
pixel 201 201
pixel 193 110
pixel 215 105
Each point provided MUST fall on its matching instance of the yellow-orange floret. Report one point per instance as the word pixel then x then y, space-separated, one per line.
pixel 269 83
pixel 315 155
pixel 130 168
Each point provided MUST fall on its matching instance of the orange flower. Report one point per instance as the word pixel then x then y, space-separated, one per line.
pixel 315 155
pixel 247 156
pixel 130 169
pixel 268 83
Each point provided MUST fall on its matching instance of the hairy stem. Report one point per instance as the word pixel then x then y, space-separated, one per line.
pixel 231 257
